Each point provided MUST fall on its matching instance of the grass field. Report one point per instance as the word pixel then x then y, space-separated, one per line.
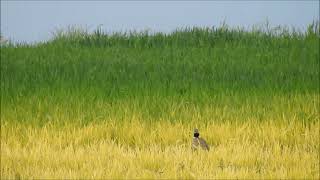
pixel 95 105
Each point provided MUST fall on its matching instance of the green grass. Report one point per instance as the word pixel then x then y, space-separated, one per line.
pixel 193 67
pixel 219 79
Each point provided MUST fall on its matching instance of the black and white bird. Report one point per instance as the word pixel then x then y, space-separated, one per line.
pixel 199 142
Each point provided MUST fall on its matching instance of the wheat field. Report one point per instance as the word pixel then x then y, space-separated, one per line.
pixel 163 150
pixel 124 106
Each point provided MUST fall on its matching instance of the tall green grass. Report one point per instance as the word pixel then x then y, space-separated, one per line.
pixel 271 73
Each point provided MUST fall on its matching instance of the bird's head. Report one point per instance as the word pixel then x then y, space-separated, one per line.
pixel 196 133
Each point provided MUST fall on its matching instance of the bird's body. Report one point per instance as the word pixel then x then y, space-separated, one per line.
pixel 198 142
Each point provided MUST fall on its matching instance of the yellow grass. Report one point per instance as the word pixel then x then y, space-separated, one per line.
pixel 134 149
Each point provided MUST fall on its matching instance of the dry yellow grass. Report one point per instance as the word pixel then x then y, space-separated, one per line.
pixel 161 150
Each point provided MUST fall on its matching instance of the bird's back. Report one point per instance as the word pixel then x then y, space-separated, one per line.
pixel 203 144
pixel 196 142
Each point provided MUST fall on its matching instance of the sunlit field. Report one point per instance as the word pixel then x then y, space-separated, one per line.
pixel 101 106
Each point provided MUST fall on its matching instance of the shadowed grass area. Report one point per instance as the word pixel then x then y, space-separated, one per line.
pixel 124 105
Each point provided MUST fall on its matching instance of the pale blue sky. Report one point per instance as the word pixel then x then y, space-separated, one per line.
pixel 36 20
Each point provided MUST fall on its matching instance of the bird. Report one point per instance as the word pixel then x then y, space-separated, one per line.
pixel 198 141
